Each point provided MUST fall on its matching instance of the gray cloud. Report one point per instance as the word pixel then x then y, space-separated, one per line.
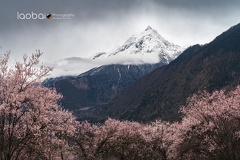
pixel 100 25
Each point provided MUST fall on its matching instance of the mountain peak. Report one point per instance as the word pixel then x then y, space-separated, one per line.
pixel 148 28
pixel 146 47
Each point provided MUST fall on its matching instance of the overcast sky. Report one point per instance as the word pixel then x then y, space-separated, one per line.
pixel 100 25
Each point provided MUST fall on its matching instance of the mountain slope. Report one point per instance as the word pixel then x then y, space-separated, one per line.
pixel 99 85
pixel 160 94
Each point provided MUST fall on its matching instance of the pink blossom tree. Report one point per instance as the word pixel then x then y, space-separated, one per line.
pixel 113 139
pixel 210 128
pixel 32 124
pixel 121 140
pixel 127 140
pixel 156 136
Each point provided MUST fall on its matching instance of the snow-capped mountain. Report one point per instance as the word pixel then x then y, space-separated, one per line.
pixel 147 47
pixel 114 71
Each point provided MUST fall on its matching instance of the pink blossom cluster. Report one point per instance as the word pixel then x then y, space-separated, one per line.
pixel 120 140
pixel 32 124
pixel 209 128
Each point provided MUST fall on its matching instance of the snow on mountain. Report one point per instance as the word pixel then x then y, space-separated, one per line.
pixel 147 47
